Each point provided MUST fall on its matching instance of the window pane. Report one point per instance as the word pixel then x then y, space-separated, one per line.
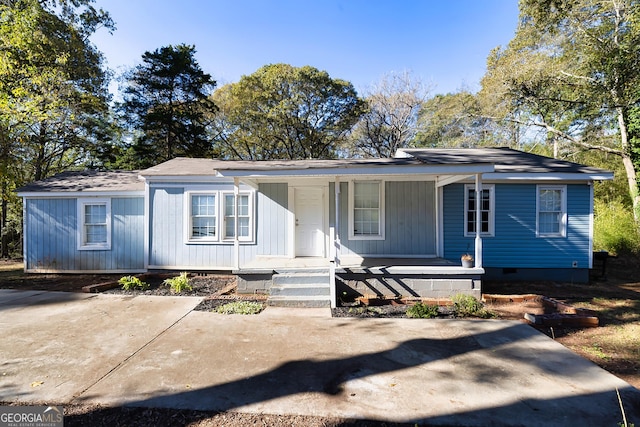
pixel 228 205
pixel 95 224
pixel 230 227
pixel 243 227
pixel 203 216
pixel 485 211
pixel 550 211
pixel 549 223
pixel 366 204
pixel 95 214
pixel 204 227
pixel 96 234
pixel 243 205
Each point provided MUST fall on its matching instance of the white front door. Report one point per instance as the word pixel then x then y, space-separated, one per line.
pixel 309 218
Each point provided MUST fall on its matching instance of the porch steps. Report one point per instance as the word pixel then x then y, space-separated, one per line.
pixel 300 288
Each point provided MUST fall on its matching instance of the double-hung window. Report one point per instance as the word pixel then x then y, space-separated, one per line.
pixel 552 211
pixel 244 216
pixel 366 210
pixel 94 224
pixel 211 217
pixel 203 217
pixel 486 201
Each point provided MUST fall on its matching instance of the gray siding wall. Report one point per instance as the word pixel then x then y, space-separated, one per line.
pixel 515 244
pixel 51 237
pixel 271 225
pixel 168 248
pixel 410 227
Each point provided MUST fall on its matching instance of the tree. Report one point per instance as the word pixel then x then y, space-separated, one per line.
pixel 166 105
pixel 573 71
pixel 281 111
pixel 454 120
pixel 53 90
pixel 390 121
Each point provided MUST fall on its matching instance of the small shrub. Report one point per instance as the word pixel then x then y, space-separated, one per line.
pixel 179 283
pixel 422 311
pixel 130 283
pixel 468 306
pixel 240 307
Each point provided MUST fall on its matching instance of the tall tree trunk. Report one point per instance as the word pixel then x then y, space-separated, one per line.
pixel 627 161
pixel 4 252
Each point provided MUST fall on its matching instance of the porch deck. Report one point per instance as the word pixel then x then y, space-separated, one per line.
pixel 367 265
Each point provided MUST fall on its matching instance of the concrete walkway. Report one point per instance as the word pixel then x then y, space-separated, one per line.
pixel 155 351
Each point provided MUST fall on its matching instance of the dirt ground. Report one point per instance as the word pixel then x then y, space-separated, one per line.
pixel 614 345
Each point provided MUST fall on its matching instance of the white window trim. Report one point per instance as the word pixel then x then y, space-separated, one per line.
pixel 563 213
pixel 381 230
pixel 188 222
pixel 492 210
pixel 219 237
pixel 82 246
pixel 248 238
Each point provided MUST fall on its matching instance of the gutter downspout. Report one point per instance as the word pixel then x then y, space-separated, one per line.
pixel 478 246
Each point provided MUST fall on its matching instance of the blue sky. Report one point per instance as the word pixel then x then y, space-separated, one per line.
pixel 444 43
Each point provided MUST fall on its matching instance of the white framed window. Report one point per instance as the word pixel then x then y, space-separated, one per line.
pixel 94 224
pixel 487 214
pixel 210 217
pixel 366 210
pixel 551 208
pixel 245 223
pixel 202 214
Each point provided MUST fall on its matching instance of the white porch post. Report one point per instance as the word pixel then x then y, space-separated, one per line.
pixel 478 248
pixel 236 240
pixel 335 245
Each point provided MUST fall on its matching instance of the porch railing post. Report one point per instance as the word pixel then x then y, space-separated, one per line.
pixel 478 242
pixel 335 244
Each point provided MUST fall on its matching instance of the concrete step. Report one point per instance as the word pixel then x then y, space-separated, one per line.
pixel 299 301
pixel 321 278
pixel 300 289
pixel 308 289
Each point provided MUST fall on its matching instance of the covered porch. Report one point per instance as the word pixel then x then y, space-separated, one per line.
pixel 401 254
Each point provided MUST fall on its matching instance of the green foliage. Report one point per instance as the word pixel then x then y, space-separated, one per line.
pixel 468 306
pixel 166 103
pixel 179 283
pixel 53 91
pixel 422 311
pixel 570 77
pixel 130 283
pixel 285 112
pixel 240 307
pixel 615 229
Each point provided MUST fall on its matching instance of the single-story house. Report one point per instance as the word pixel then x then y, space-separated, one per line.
pixel 309 231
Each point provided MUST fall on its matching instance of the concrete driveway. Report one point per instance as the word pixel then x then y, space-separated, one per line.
pixel 155 351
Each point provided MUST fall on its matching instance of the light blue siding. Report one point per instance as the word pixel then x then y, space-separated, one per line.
pixel 515 244
pixel 51 236
pixel 272 226
pixel 409 221
pixel 168 246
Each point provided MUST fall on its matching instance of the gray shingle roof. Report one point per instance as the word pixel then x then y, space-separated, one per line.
pixel 88 181
pixel 182 166
pixel 506 160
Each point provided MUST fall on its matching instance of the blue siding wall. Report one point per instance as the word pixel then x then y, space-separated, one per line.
pixel 271 225
pixel 168 248
pixel 409 221
pixel 51 237
pixel 515 244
